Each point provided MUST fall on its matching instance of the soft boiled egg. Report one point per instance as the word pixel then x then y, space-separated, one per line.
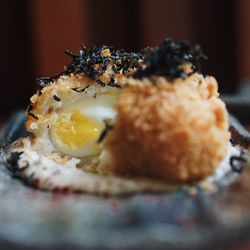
pixel 78 126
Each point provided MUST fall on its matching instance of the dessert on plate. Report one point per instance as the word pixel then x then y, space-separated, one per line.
pixel 115 122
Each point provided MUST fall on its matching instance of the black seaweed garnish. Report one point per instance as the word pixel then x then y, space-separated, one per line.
pixel 12 160
pixel 94 63
pixel 112 82
pixel 30 107
pixel 43 81
pixel 56 98
pixel 29 112
pixel 80 90
pixel 108 127
pixel 237 162
pixel 169 58
pixel 32 115
pixel 124 61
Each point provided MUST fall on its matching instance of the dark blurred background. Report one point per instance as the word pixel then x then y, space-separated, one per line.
pixel 35 34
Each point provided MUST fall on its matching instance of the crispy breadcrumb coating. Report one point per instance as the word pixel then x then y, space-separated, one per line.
pixel 174 131
pixel 61 92
pixel 103 69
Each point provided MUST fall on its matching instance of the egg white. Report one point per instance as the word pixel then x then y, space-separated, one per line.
pixel 98 109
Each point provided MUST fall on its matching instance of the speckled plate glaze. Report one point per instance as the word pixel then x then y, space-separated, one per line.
pixel 33 219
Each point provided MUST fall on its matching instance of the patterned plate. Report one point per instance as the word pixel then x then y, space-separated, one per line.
pixel 33 219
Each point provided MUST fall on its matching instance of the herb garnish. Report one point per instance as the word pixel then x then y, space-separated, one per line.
pixel 13 159
pixel 168 60
pixel 30 107
pixel 32 115
pixel 56 98
pixel 112 82
pixel 237 162
pixel 94 63
pixel 108 127
pixel 80 90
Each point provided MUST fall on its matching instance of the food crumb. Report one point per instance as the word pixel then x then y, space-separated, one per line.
pixel 208 186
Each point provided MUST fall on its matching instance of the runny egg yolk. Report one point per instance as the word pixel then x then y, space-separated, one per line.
pixel 74 130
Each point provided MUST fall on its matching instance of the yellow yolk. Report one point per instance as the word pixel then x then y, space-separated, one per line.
pixel 77 130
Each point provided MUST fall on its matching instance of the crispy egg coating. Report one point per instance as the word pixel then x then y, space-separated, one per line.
pixel 68 115
pixel 115 122
pixel 174 131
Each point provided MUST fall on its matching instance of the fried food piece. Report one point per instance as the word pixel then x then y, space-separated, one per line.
pixel 149 117
pixel 67 114
pixel 176 131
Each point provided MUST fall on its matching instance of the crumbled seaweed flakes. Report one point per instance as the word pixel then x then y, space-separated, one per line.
pixel 80 90
pixel 124 61
pixel 13 159
pixel 112 82
pixel 237 162
pixel 29 111
pixel 43 81
pixel 56 98
pixel 32 115
pixel 91 62
pixel 108 127
pixel 168 60
pixel 94 63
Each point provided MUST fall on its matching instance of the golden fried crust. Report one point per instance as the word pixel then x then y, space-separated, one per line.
pixel 44 103
pixel 177 131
